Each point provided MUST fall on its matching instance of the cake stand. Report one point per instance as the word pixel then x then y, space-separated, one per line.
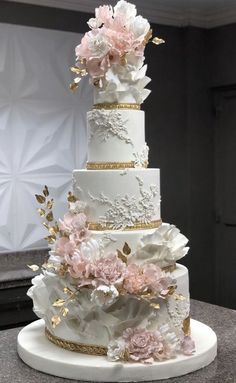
pixel 38 352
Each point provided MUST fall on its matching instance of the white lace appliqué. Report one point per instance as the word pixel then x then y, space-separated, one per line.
pixel 125 211
pixel 179 312
pixel 105 124
pixel 141 158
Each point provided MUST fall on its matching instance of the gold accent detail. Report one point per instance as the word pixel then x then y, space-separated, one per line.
pixel 89 349
pixel 116 105
pixel 186 326
pixel 137 226
pixel 169 269
pixel 112 165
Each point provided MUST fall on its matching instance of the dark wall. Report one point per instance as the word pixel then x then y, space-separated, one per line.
pixel 179 122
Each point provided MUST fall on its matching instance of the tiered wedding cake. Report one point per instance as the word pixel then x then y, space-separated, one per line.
pixel 111 285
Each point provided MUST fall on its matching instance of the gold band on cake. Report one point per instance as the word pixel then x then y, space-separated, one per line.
pixel 83 348
pixel 136 226
pixel 116 105
pixel 170 268
pixel 112 165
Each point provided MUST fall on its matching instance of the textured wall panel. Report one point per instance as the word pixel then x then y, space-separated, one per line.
pixel 42 128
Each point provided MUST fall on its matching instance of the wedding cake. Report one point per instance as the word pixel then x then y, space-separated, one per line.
pixel 112 286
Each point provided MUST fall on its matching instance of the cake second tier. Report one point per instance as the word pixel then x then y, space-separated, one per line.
pixel 116 138
pixel 119 199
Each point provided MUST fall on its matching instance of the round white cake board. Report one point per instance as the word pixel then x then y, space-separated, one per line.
pixel 38 352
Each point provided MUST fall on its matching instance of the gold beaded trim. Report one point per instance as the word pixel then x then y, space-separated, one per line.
pixel 112 165
pixel 115 105
pixel 74 346
pixel 186 326
pixel 137 226
pixel 170 268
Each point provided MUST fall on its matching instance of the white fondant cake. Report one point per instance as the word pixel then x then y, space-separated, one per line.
pixel 111 285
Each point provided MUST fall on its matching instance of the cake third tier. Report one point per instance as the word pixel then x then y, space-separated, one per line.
pixel 119 199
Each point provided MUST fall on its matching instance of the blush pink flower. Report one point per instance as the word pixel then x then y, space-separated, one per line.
pixel 109 269
pixel 143 345
pixel 134 281
pixel 104 14
pixel 79 267
pixel 187 345
pixel 64 246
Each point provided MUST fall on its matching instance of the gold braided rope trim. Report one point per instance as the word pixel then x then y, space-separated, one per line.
pixel 112 165
pixel 90 349
pixel 137 226
pixel 186 326
pixel 170 268
pixel 115 105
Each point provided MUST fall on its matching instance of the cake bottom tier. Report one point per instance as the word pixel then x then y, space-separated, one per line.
pixel 89 324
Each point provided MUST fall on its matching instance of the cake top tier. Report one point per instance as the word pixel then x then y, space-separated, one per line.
pixel 112 53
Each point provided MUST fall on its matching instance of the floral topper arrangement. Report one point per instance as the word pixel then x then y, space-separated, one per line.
pixel 112 52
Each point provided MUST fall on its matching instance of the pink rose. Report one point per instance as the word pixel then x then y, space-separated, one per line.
pixel 109 269
pixel 143 345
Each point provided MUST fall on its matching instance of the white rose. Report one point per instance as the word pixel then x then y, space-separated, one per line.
pixel 104 295
pixel 97 43
pixel 116 350
pixel 125 11
pixel 139 27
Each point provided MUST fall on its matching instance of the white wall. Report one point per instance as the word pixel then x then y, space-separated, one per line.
pixel 42 128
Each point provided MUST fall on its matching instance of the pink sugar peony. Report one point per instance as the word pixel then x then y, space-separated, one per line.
pixel 104 14
pixel 79 266
pixel 134 281
pixel 109 269
pixel 143 345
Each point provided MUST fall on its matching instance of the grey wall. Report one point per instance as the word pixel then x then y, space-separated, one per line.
pixel 179 123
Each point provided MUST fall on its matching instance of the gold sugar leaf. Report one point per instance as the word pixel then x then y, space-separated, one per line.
pixel 158 41
pixel 45 224
pixel 67 290
pixel 73 87
pixel 50 204
pixel 40 198
pixel 50 238
pixel 71 197
pixel 179 297
pixel 33 267
pixel 121 256
pixel 45 191
pixel 47 265
pixel 123 59
pixel 147 295
pixel 64 311
pixel 126 355
pixel 56 320
pixel 171 290
pixel 58 303
pixel 155 305
pixel 41 212
pixel 52 231
pixel 79 71
pixel 49 216
pixel 126 249
pixel 147 37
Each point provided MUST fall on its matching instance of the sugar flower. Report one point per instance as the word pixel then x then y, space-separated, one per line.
pixel 104 295
pixel 109 269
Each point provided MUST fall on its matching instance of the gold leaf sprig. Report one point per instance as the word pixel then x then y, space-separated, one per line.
pixel 46 212
pixel 62 305
pixel 80 72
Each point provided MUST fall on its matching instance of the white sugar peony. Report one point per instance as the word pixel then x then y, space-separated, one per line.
pixel 91 249
pixel 140 27
pixel 163 247
pixel 125 11
pixel 104 295
pixel 116 350
pixel 97 44
pixel 38 294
